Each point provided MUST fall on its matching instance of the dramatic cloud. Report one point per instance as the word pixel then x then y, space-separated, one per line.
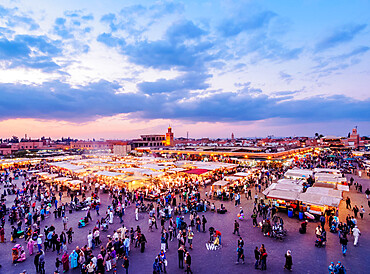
pixel 180 47
pixel 182 84
pixel 60 101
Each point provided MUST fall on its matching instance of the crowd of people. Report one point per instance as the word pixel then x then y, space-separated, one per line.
pixel 177 211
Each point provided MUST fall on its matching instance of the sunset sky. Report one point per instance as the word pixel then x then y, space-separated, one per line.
pixel 117 69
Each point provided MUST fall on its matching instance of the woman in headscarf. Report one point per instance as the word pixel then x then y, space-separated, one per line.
pixel 100 265
pixel 288 260
pixel 74 259
pixel 65 262
pixel 30 245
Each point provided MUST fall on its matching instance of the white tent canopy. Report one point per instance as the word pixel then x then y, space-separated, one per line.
pixel 298 173
pixel 283 195
pixel 109 174
pixel 62 179
pixel 325 191
pixel 242 174
pixel 221 183
pixel 327 171
pixel 318 199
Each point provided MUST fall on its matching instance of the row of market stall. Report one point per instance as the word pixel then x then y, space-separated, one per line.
pixel 131 172
pixel 297 194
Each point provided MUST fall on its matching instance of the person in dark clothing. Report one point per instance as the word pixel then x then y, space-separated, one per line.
pixel 36 262
pixel 348 203
pixel 288 260
pixel 303 228
pixel 181 257
pixel 204 221
pixel 125 264
pixel 236 227
pixel 257 255
pixel 142 243
pixel 188 263
pixel 355 210
pixel 343 241
pixel 156 267
pixel 254 218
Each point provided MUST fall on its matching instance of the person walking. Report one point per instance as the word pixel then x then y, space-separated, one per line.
pixel 254 218
pixel 163 242
pixel 65 222
pixel 339 268
pixel 331 268
pixel 188 263
pixel 240 254
pixel 125 264
pixel 137 214
pixel 42 262
pixel 236 228
pixel 362 212
pixel 356 234
pixel 288 260
pixel 69 235
pixel 181 253
pixel 348 203
pixel 89 240
pixel 190 237
pixel 355 211
pixel 142 243
pixel 36 261
pixel 343 241
pixel 156 267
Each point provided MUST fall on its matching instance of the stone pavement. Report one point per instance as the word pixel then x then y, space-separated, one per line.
pixel 306 257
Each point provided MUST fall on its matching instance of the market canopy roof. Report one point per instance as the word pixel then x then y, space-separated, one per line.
pixel 326 170
pixel 109 174
pixel 153 166
pixel 232 178
pixel 283 195
pixel 325 191
pixel 51 175
pixel 242 174
pixel 75 182
pixel 196 171
pixel 176 169
pixel 318 199
pixel 62 179
pixel 43 173
pixel 296 172
pixel 342 187
pixel 68 166
pixel 326 177
pixel 221 183
pixel 286 185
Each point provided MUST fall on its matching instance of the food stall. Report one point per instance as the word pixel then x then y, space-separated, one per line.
pixel 110 178
pixel 317 204
pixel 220 189
pixel 74 185
pixel 284 192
